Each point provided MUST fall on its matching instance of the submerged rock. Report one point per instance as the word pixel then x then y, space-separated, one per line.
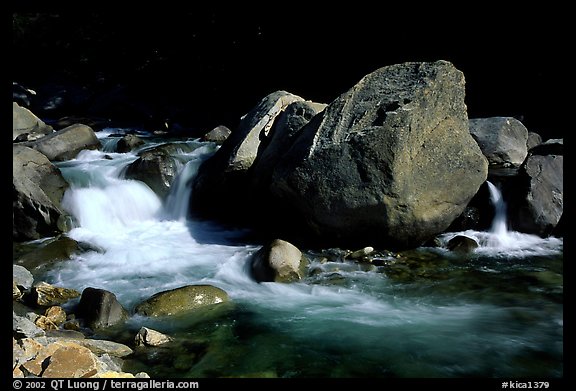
pixel 150 337
pixel 181 300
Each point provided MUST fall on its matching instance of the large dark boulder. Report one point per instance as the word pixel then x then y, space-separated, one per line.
pixel 391 161
pixel 37 191
pixel 99 308
pixel 536 194
pixel 503 140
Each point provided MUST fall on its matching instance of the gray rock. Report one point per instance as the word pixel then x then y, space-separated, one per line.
pixel 226 172
pixel 181 300
pixel 129 143
pixel 538 195
pixel 22 277
pixel 279 261
pixel 287 127
pixel 533 140
pixel 503 140
pixel 149 337
pixel 390 162
pixel 99 308
pixel 217 135
pixel 25 124
pixel 66 143
pixel 550 147
pixel 38 188
pixel 158 167
pixel 25 328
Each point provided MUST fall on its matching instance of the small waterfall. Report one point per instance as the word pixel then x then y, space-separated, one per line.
pixel 499 226
pixel 178 200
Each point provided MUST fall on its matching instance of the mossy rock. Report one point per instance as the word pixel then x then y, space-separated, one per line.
pixel 181 300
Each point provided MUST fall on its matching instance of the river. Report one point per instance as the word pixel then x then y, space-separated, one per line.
pixel 427 312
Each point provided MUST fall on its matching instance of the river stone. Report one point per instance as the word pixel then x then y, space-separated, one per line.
pixel 25 123
pixel 534 139
pixel 59 249
pixel 217 135
pixel 96 346
pixel 390 162
pixel 158 167
pixel 128 143
pixel 22 277
pixel 47 295
pixel 150 337
pixel 181 300
pixel 66 143
pixel 71 361
pixel 226 171
pixel 38 188
pixel 279 261
pixel 99 308
pixel 23 327
pixel 503 140
pixel 538 195
pixel 462 244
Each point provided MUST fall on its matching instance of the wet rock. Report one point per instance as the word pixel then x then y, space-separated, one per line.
pixel 150 337
pixel 60 249
pixel 129 143
pixel 181 300
pixel 99 308
pixel 279 261
pixel 362 253
pixel 462 244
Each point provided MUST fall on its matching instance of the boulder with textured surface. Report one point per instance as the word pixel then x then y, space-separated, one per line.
pixel 538 191
pixel 503 140
pixel 37 191
pixel 66 143
pixel 389 162
pixel 181 300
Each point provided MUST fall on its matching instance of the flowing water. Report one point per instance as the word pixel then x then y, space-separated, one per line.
pixel 496 312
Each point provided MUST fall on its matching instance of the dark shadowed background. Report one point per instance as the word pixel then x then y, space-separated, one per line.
pixel 198 68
